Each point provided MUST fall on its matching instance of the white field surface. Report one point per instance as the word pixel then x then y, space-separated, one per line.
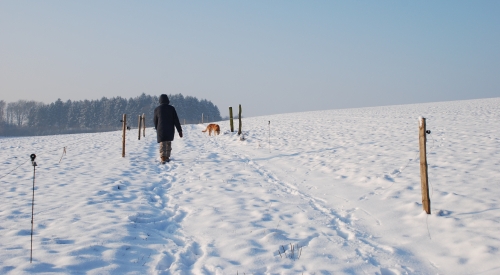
pixel 342 187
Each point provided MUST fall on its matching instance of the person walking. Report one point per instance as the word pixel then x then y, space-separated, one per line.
pixel 166 121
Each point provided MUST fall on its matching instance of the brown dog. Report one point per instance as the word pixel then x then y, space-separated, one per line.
pixel 212 128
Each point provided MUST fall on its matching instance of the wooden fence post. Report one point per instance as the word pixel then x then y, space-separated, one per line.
pixel 143 125
pixel 124 120
pixel 239 118
pixel 202 122
pixel 424 179
pixel 231 118
pixel 140 126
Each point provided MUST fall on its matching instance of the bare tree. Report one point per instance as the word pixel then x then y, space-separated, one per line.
pixel 2 111
pixel 17 112
pixel 9 112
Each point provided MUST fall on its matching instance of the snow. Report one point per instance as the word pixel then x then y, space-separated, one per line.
pixel 342 187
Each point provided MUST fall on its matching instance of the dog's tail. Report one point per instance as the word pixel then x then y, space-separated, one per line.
pixel 205 130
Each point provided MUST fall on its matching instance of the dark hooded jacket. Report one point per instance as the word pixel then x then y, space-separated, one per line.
pixel 165 119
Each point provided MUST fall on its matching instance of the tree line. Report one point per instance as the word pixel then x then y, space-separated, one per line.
pixel 35 118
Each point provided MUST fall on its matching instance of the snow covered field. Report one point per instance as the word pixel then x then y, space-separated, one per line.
pixel 342 187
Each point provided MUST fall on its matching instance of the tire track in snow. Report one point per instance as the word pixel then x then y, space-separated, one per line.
pixel 361 242
pixel 363 251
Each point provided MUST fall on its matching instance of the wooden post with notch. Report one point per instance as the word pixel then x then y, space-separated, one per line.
pixel 124 120
pixel 139 127
pixel 424 179
pixel 231 118
pixel 239 118
pixel 143 125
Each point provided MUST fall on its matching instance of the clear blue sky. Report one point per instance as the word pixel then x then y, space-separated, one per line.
pixel 270 56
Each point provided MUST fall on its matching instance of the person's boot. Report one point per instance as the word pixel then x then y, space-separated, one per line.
pixel 164 159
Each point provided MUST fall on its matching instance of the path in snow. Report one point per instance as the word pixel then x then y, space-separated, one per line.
pixel 271 215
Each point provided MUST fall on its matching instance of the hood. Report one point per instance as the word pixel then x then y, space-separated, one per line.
pixel 164 99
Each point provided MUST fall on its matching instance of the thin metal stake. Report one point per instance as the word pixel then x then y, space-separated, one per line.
pixel 33 156
pixel 63 154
